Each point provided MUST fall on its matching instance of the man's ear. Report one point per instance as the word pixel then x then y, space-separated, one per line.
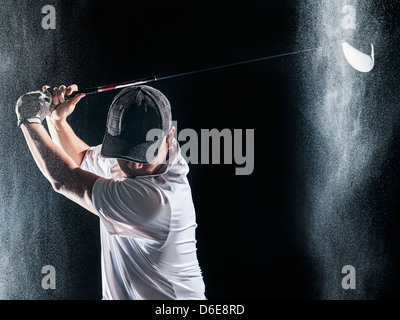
pixel 170 137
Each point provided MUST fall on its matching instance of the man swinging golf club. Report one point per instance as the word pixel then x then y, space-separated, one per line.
pixel 137 187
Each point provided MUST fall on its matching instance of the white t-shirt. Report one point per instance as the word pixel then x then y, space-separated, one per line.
pixel 147 227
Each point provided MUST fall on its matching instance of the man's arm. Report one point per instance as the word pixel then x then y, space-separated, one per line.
pixel 64 137
pixel 59 168
pixel 60 131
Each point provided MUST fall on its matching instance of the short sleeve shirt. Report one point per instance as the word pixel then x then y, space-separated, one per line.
pixel 147 228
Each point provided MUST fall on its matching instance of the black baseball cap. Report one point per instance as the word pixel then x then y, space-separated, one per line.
pixel 134 113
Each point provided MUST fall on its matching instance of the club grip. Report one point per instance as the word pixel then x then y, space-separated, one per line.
pixel 85 91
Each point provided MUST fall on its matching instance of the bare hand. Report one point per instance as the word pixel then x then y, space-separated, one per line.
pixel 63 107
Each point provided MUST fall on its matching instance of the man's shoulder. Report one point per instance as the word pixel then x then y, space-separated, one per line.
pixel 178 164
pixel 136 195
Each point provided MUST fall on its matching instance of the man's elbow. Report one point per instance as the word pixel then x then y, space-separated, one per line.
pixel 76 190
pixel 74 184
pixel 64 180
pixel 57 186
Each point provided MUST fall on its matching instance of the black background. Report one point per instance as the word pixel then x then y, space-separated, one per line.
pixel 250 239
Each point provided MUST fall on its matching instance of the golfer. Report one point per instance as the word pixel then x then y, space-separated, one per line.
pixel 135 182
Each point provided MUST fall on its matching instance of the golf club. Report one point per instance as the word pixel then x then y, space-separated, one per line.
pixel 122 85
pixel 358 60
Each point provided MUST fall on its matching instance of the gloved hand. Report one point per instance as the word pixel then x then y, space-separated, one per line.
pixel 34 107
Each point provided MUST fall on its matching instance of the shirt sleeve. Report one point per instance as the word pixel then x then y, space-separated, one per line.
pixel 95 163
pixel 132 208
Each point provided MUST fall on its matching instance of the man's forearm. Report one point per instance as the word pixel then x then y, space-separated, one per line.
pixel 63 135
pixel 53 162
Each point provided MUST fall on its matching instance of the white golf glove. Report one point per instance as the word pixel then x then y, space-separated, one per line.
pixel 34 107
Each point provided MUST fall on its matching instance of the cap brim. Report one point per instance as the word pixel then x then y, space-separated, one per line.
pixel 115 147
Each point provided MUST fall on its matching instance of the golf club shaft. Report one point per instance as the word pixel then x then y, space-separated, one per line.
pixel 116 86
pixel 178 75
